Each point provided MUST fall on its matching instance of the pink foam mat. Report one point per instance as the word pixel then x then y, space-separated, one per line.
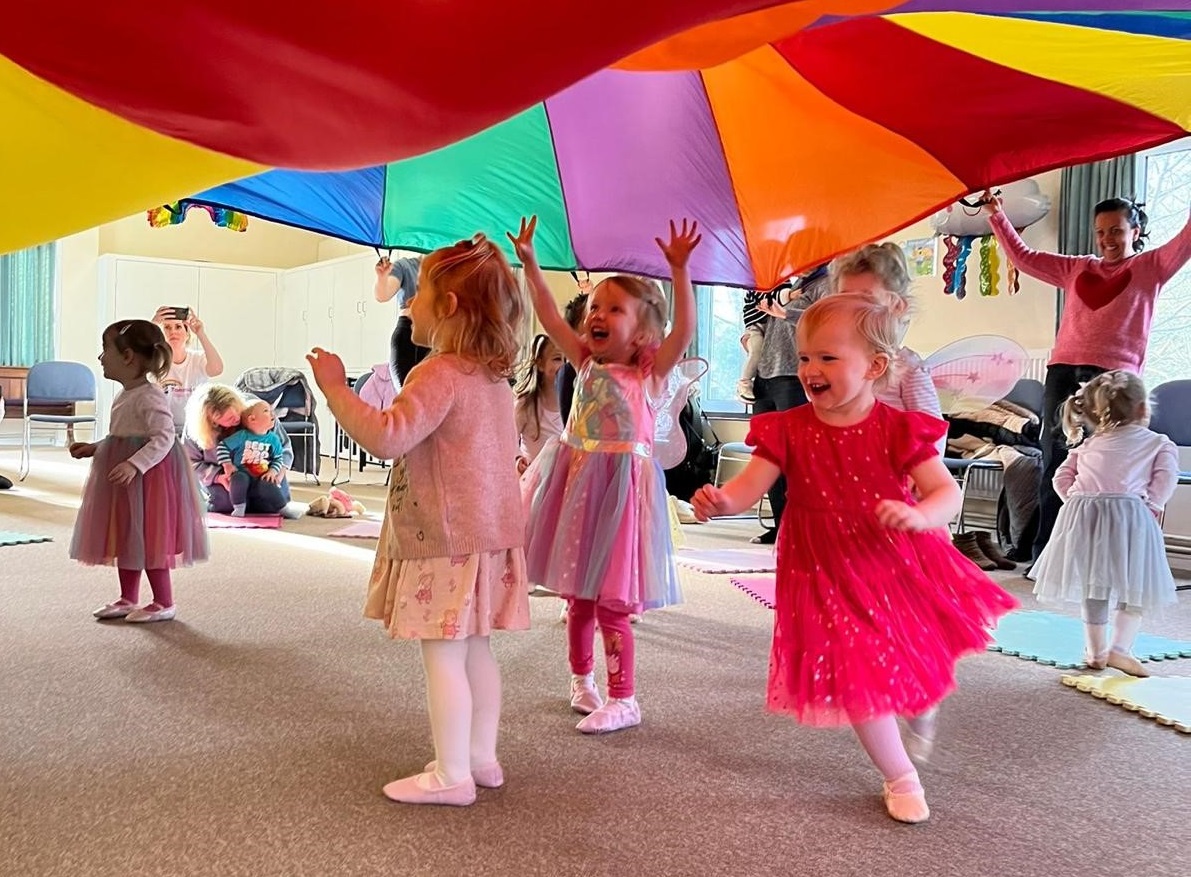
pixel 762 587
pixel 358 530
pixel 727 560
pixel 216 521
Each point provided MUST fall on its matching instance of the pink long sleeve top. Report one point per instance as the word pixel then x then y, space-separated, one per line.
pixel 1129 459
pixel 1109 305
pixel 454 486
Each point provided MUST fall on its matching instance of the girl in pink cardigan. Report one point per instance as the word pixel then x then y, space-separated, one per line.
pixel 1105 325
pixel 450 565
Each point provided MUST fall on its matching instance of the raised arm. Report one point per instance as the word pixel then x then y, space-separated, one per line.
pixel 214 360
pixel 1050 268
pixel 678 254
pixel 553 324
pixel 386 285
pixel 1174 254
pixel 423 404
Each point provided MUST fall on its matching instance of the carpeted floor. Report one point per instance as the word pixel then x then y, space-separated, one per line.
pixel 251 736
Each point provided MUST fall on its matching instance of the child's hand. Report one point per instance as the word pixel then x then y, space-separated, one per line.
pixel 522 464
pixel 992 203
pixel 122 473
pixel 897 515
pixel 327 368
pixel 384 267
pixel 710 501
pixel 678 250
pixel 223 481
pixel 78 450
pixel 272 477
pixel 523 240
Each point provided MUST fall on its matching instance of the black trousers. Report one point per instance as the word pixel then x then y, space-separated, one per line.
pixel 403 353
pixel 777 394
pixel 1061 383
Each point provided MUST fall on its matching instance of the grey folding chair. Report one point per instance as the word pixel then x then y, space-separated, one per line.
pixel 55 385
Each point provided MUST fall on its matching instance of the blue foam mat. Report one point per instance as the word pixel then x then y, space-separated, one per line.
pixel 1057 640
pixel 8 537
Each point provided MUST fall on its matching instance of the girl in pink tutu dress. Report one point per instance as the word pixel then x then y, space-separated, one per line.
pixel 450 564
pixel 874 604
pixel 141 508
pixel 598 531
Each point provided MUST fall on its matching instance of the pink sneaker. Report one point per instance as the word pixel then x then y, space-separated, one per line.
pixel 424 788
pixel 585 697
pixel 615 715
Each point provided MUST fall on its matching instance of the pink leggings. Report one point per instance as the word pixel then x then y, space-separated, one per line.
pixel 619 652
pixel 159 581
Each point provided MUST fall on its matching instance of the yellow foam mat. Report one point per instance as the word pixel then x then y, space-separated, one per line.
pixel 1165 699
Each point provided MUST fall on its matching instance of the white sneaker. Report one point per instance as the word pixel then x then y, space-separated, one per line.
pixel 744 390
pixel 615 715
pixel 585 697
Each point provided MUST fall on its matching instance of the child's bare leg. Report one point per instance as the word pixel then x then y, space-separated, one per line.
pixel 1126 624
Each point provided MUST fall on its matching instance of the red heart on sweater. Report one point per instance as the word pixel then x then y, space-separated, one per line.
pixel 1096 291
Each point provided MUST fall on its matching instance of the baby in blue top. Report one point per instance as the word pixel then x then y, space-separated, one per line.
pixel 253 451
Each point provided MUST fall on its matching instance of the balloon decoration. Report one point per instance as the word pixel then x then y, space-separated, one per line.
pixel 175 214
pixel 782 127
pixel 964 225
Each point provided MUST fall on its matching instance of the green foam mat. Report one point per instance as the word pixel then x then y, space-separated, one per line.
pixel 1057 640
pixel 8 537
pixel 1165 699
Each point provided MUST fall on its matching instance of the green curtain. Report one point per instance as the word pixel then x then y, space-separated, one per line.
pixel 1081 188
pixel 27 305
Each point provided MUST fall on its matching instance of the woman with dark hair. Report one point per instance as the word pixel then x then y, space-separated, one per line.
pixel 1108 305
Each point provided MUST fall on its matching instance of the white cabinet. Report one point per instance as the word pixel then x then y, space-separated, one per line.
pixel 235 303
pixel 293 311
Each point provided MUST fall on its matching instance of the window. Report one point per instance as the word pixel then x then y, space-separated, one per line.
pixel 1165 183
pixel 28 305
pixel 717 339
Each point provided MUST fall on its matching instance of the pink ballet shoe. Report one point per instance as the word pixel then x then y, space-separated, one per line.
pixel 119 609
pixel 150 613
pixel 905 800
pixel 1095 662
pixel 919 738
pixel 424 788
pixel 488 776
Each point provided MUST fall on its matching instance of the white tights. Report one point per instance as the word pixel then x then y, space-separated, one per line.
pixel 463 697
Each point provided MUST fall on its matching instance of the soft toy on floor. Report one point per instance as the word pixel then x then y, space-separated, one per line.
pixel 336 504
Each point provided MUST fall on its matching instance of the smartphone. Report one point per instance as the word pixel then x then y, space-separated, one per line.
pixel 182 314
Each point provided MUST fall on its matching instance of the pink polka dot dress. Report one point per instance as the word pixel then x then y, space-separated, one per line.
pixel 868 621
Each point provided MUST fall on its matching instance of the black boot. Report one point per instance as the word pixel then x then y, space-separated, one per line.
pixel 992 551
pixel 965 543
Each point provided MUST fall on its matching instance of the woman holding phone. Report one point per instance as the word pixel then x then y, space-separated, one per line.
pixel 189 368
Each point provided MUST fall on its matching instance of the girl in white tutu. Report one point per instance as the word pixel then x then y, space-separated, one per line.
pixel 1107 548
pixel 141 507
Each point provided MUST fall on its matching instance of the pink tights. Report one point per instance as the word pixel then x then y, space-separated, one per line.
pixel 883 743
pixel 619 651
pixel 159 581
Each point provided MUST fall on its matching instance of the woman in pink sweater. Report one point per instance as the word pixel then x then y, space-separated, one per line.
pixel 450 565
pixel 1105 324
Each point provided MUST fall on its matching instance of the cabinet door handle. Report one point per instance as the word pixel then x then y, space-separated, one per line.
pixel 304 317
pixel 330 313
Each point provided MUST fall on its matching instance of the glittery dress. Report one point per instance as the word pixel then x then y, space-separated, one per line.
pixel 598 526
pixel 868 621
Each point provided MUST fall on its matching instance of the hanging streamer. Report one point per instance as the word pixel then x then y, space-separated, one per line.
pixel 175 214
pixel 993 258
pixel 949 263
pixel 959 282
pixel 988 279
